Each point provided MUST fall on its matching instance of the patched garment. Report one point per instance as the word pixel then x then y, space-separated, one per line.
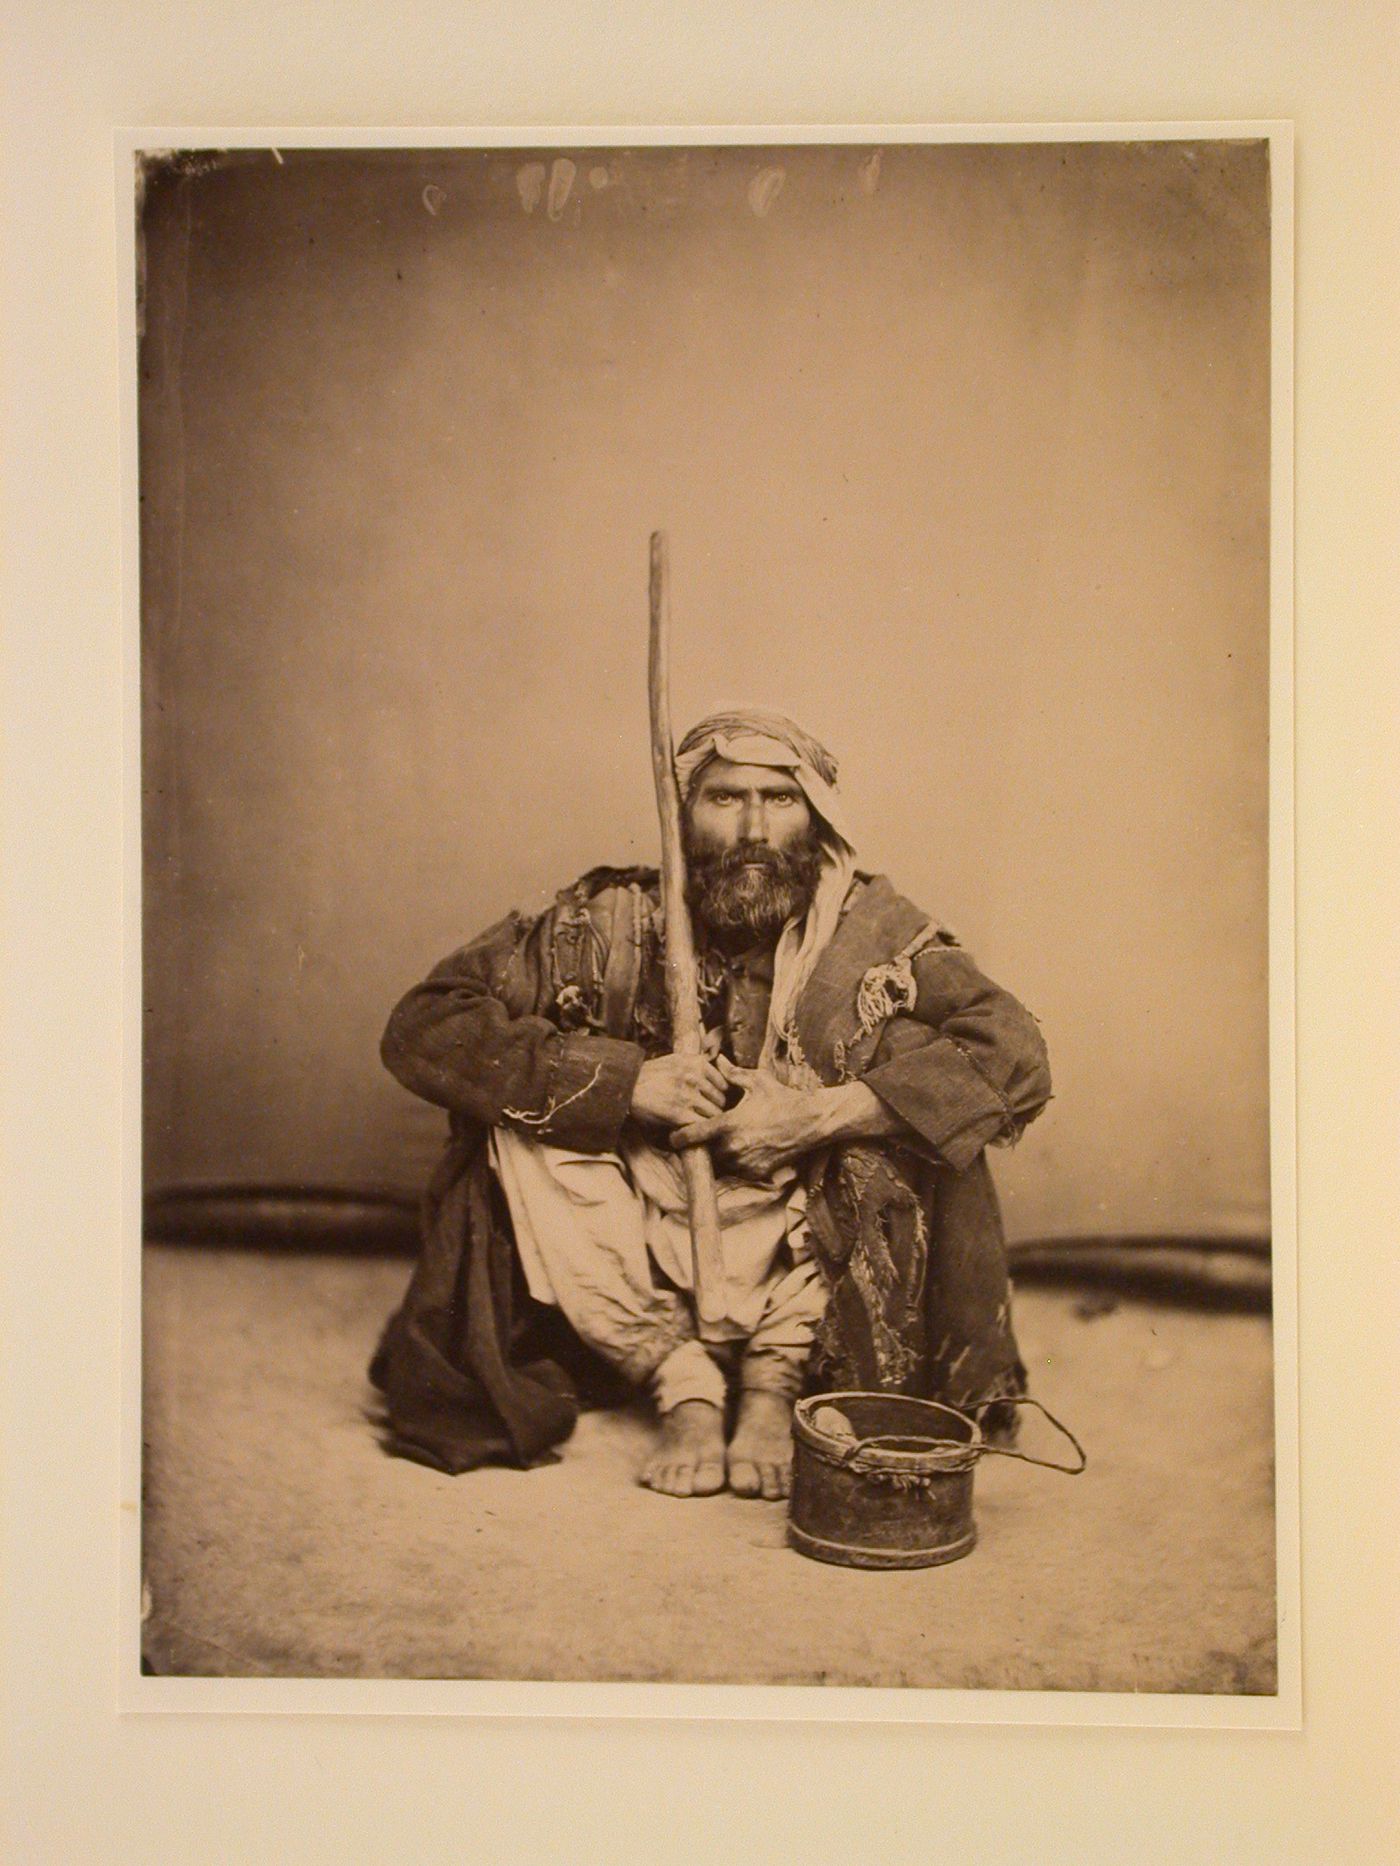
pixel 542 1025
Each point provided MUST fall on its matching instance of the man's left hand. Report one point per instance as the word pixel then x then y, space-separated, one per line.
pixel 769 1128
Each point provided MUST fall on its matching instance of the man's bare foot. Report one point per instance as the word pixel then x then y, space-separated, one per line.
pixel 760 1452
pixel 689 1461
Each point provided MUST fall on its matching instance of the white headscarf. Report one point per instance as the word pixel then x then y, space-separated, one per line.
pixel 747 737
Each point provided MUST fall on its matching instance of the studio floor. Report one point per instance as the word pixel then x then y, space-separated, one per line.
pixel 280 1540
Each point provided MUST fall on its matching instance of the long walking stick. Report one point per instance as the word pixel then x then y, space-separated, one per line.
pixel 682 982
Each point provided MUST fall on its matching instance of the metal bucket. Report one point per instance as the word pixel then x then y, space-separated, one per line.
pixel 883 1481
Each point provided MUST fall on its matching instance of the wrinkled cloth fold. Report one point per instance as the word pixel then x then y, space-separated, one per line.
pixel 612 1252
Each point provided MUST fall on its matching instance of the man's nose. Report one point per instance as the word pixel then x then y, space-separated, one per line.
pixel 753 824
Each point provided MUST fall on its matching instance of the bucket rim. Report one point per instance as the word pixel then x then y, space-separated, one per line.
pixel 938 1456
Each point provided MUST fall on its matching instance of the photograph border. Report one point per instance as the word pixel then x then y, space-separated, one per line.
pixel 378 1697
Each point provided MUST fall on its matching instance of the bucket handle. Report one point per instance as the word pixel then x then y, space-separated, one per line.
pixel 1010 1451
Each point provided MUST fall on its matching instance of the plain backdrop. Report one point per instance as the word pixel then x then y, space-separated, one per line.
pixel 87 1785
pixel 963 453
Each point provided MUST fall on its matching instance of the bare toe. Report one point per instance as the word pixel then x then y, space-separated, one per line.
pixel 744 1479
pixel 771 1476
pixel 709 1479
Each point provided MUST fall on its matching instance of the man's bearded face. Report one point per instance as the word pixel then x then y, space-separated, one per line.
pixel 752 857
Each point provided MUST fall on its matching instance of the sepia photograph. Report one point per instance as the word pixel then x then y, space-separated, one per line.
pixel 707 1114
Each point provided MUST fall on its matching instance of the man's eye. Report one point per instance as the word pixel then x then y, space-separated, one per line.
pixel 784 797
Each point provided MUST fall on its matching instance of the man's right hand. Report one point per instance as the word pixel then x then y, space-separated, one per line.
pixel 673 1090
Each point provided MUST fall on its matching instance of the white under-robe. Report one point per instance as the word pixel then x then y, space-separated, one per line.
pixel 604 1238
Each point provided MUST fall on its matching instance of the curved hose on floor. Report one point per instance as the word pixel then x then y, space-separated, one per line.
pixel 1219 1272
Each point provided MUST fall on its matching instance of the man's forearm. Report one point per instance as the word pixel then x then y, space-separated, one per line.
pixel 455 1041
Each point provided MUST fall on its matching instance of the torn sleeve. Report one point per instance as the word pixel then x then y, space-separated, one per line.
pixel 966 1067
pixel 472 1038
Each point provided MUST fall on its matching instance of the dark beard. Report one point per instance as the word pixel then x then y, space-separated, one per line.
pixel 753 888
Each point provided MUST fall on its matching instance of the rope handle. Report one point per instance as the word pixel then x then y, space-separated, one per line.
pixel 1009 1451
pixel 862 1456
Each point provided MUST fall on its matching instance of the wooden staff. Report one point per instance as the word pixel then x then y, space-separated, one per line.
pixel 682 979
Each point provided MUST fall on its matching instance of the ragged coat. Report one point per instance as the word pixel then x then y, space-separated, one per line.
pixel 544 1024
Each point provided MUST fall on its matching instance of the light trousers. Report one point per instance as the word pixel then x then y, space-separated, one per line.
pixel 604 1238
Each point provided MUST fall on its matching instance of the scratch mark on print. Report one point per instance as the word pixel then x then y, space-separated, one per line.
pixel 561 181
pixel 434 199
pixel 529 182
pixel 764 189
pixel 870 171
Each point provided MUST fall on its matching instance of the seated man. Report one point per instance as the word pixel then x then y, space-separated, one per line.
pixel 857 1065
